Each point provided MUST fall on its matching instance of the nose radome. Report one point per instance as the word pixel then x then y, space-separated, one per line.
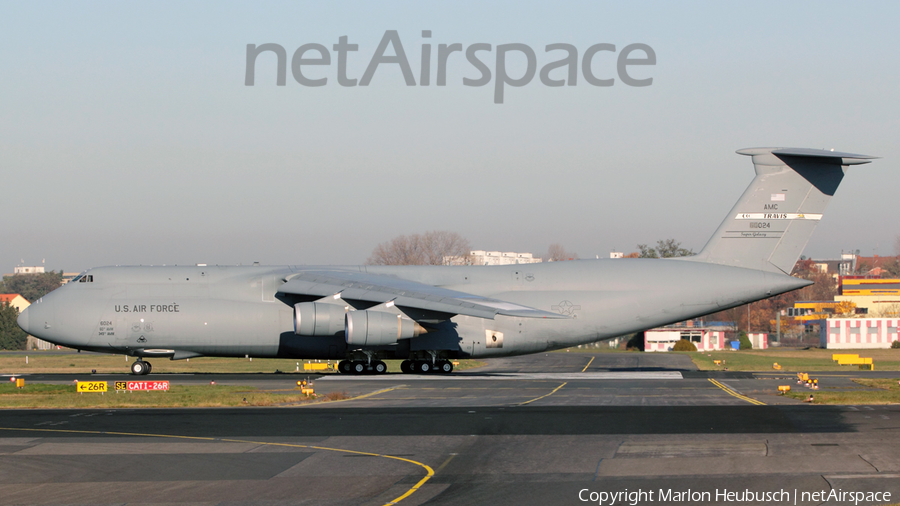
pixel 22 320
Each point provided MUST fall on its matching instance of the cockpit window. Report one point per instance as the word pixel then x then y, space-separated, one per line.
pixel 83 278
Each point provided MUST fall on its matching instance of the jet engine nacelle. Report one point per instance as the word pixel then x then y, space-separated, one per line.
pixel 377 328
pixel 318 319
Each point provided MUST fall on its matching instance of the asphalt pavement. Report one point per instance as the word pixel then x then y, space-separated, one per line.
pixel 564 428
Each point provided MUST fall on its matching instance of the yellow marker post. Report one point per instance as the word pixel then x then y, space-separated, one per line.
pixel 91 387
pixel 20 382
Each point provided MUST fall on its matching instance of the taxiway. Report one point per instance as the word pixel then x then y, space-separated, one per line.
pixel 527 430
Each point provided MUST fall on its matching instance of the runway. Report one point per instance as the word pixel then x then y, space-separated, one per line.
pixel 517 432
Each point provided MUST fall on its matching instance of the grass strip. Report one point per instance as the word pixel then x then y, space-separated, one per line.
pixel 790 360
pixel 53 362
pixel 888 392
pixel 178 396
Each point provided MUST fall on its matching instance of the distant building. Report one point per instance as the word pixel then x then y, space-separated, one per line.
pixel 759 341
pixel 874 265
pixel 481 257
pixel 21 269
pixel 17 301
pixel 68 276
pixel 844 266
pixel 879 297
pixel 616 254
pixel 858 333
pixel 705 338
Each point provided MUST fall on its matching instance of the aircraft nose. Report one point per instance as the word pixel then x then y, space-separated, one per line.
pixel 22 320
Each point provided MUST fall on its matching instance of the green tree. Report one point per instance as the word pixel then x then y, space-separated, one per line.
pixel 684 345
pixel 32 286
pixel 636 342
pixel 11 336
pixel 667 248
pixel 745 341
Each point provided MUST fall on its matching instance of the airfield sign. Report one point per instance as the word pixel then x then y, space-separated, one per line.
pixel 90 386
pixel 142 385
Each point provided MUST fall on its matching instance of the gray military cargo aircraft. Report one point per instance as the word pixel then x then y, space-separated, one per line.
pixel 428 315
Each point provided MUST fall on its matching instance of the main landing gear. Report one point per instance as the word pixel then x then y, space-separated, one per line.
pixel 426 366
pixel 366 362
pixel 140 368
pixel 362 367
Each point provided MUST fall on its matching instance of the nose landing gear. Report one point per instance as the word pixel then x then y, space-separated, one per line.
pixel 140 368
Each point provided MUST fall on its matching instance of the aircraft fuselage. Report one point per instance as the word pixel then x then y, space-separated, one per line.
pixel 236 311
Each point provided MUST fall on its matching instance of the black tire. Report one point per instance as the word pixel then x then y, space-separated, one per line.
pixel 405 367
pixel 344 367
pixel 379 367
pixel 358 367
pixel 139 368
pixel 149 368
pixel 445 367
pixel 423 367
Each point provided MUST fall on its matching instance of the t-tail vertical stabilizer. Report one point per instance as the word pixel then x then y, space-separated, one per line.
pixel 773 220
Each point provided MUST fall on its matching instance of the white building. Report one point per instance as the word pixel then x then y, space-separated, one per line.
pixel 481 257
pixel 21 269
pixel 858 333
pixel 759 341
pixel 664 339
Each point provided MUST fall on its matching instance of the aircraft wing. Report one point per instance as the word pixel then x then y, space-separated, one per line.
pixel 379 289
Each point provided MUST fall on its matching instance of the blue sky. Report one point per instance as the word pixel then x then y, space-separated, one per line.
pixel 127 135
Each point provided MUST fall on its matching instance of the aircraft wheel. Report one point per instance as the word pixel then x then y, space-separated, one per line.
pixel 445 367
pixel 379 367
pixel 139 368
pixel 405 367
pixel 344 366
pixel 149 367
pixel 358 367
pixel 423 367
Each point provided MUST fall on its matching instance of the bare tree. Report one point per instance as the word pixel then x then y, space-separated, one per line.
pixel 429 248
pixel 557 253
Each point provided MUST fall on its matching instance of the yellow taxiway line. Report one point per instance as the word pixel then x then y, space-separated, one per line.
pixel 588 364
pixel 543 396
pixel 428 470
pixel 363 396
pixel 735 394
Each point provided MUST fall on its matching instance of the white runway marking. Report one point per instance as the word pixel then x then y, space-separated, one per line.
pixel 563 376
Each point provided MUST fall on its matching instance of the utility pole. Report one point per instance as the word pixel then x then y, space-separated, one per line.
pixel 778 325
pixel 748 319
